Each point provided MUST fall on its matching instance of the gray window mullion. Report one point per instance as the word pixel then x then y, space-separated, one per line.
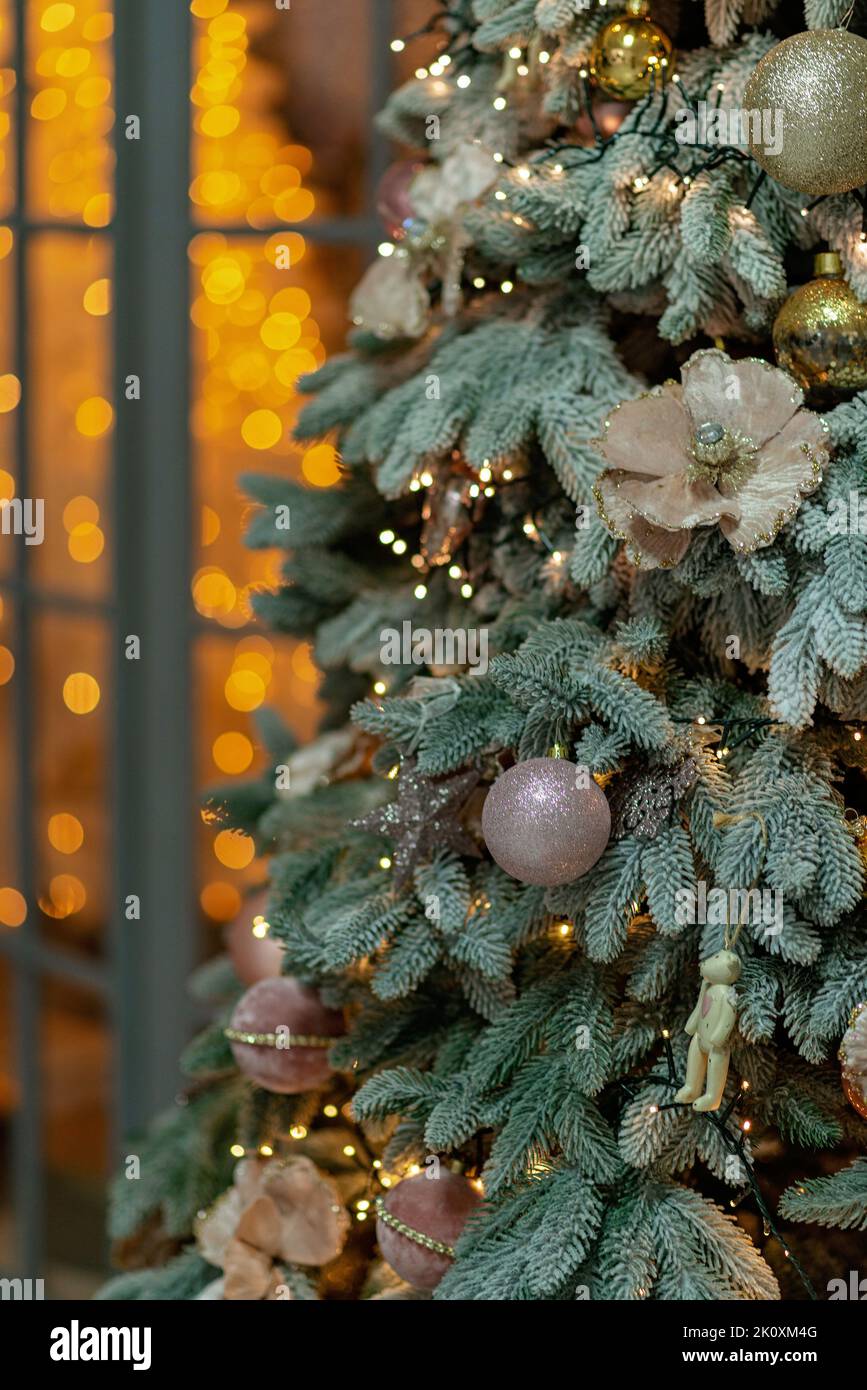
pixel 153 786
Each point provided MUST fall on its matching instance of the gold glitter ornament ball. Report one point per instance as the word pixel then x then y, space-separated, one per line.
pixel 809 96
pixel 820 335
pixel 631 54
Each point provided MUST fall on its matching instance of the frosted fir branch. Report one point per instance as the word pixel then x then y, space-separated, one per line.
pixel 839 1200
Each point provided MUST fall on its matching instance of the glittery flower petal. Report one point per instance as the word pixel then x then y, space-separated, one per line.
pixel 676 504
pixel 751 397
pixel 651 547
pixel 649 435
pixel 788 467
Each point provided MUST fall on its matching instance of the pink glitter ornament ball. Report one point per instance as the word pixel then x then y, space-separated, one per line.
pixel 542 824
pixel 284 1011
pixel 254 957
pixel 392 197
pixel 432 1212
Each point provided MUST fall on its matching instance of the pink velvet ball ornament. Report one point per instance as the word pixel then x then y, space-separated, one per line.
pixel 265 1013
pixel 542 824
pixel 254 957
pixel 392 197
pixel 609 117
pixel 433 1212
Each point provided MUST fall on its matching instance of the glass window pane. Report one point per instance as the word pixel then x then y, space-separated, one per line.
pixel 10 392
pixel 69 152
pixel 75 1065
pixel 71 418
pixel 279 135
pixel 8 1107
pixel 13 907
pixel 72 815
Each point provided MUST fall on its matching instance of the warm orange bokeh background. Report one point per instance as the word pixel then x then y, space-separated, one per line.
pixel 280 133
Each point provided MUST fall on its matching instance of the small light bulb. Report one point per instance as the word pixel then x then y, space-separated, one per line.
pixel 499 103
pixel 349 1150
pixel 498 158
pixel 386 537
pixel 298 1131
pixel 507 287
pixel 500 196
pixel 515 52
pixel 386 248
pixel 415 485
pixel 421 73
pixel 265 1150
pixel 420 591
pixel 455 571
pixel 467 590
pixel 507 475
pixel 522 70
pixel 464 81
pixel 397 45
pixel 479 282
pixel 426 479
pixel 380 687
pixel 385 862
pixel 399 547
pixel 237 1150
pixel 544 57
pixel 330 1111
pixel 474 489
pixel 363 1205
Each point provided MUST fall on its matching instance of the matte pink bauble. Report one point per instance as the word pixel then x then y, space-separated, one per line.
pixel 272 1007
pixel 542 824
pixel 435 1208
pixel 392 197
pixel 609 117
pixel 254 957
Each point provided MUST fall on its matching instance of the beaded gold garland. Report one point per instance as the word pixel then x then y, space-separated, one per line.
pixel 281 1040
pixel 394 1222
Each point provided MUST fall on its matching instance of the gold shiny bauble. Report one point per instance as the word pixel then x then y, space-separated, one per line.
pixel 807 104
pixel 820 335
pixel 630 55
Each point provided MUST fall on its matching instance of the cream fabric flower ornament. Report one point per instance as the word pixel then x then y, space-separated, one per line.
pixel 281 1210
pixel 731 446
pixel 392 299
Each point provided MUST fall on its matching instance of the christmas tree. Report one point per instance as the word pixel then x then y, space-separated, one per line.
pixel 566 926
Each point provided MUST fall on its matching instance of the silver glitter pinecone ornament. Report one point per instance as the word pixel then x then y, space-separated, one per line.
pixel 813 88
pixel 542 824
